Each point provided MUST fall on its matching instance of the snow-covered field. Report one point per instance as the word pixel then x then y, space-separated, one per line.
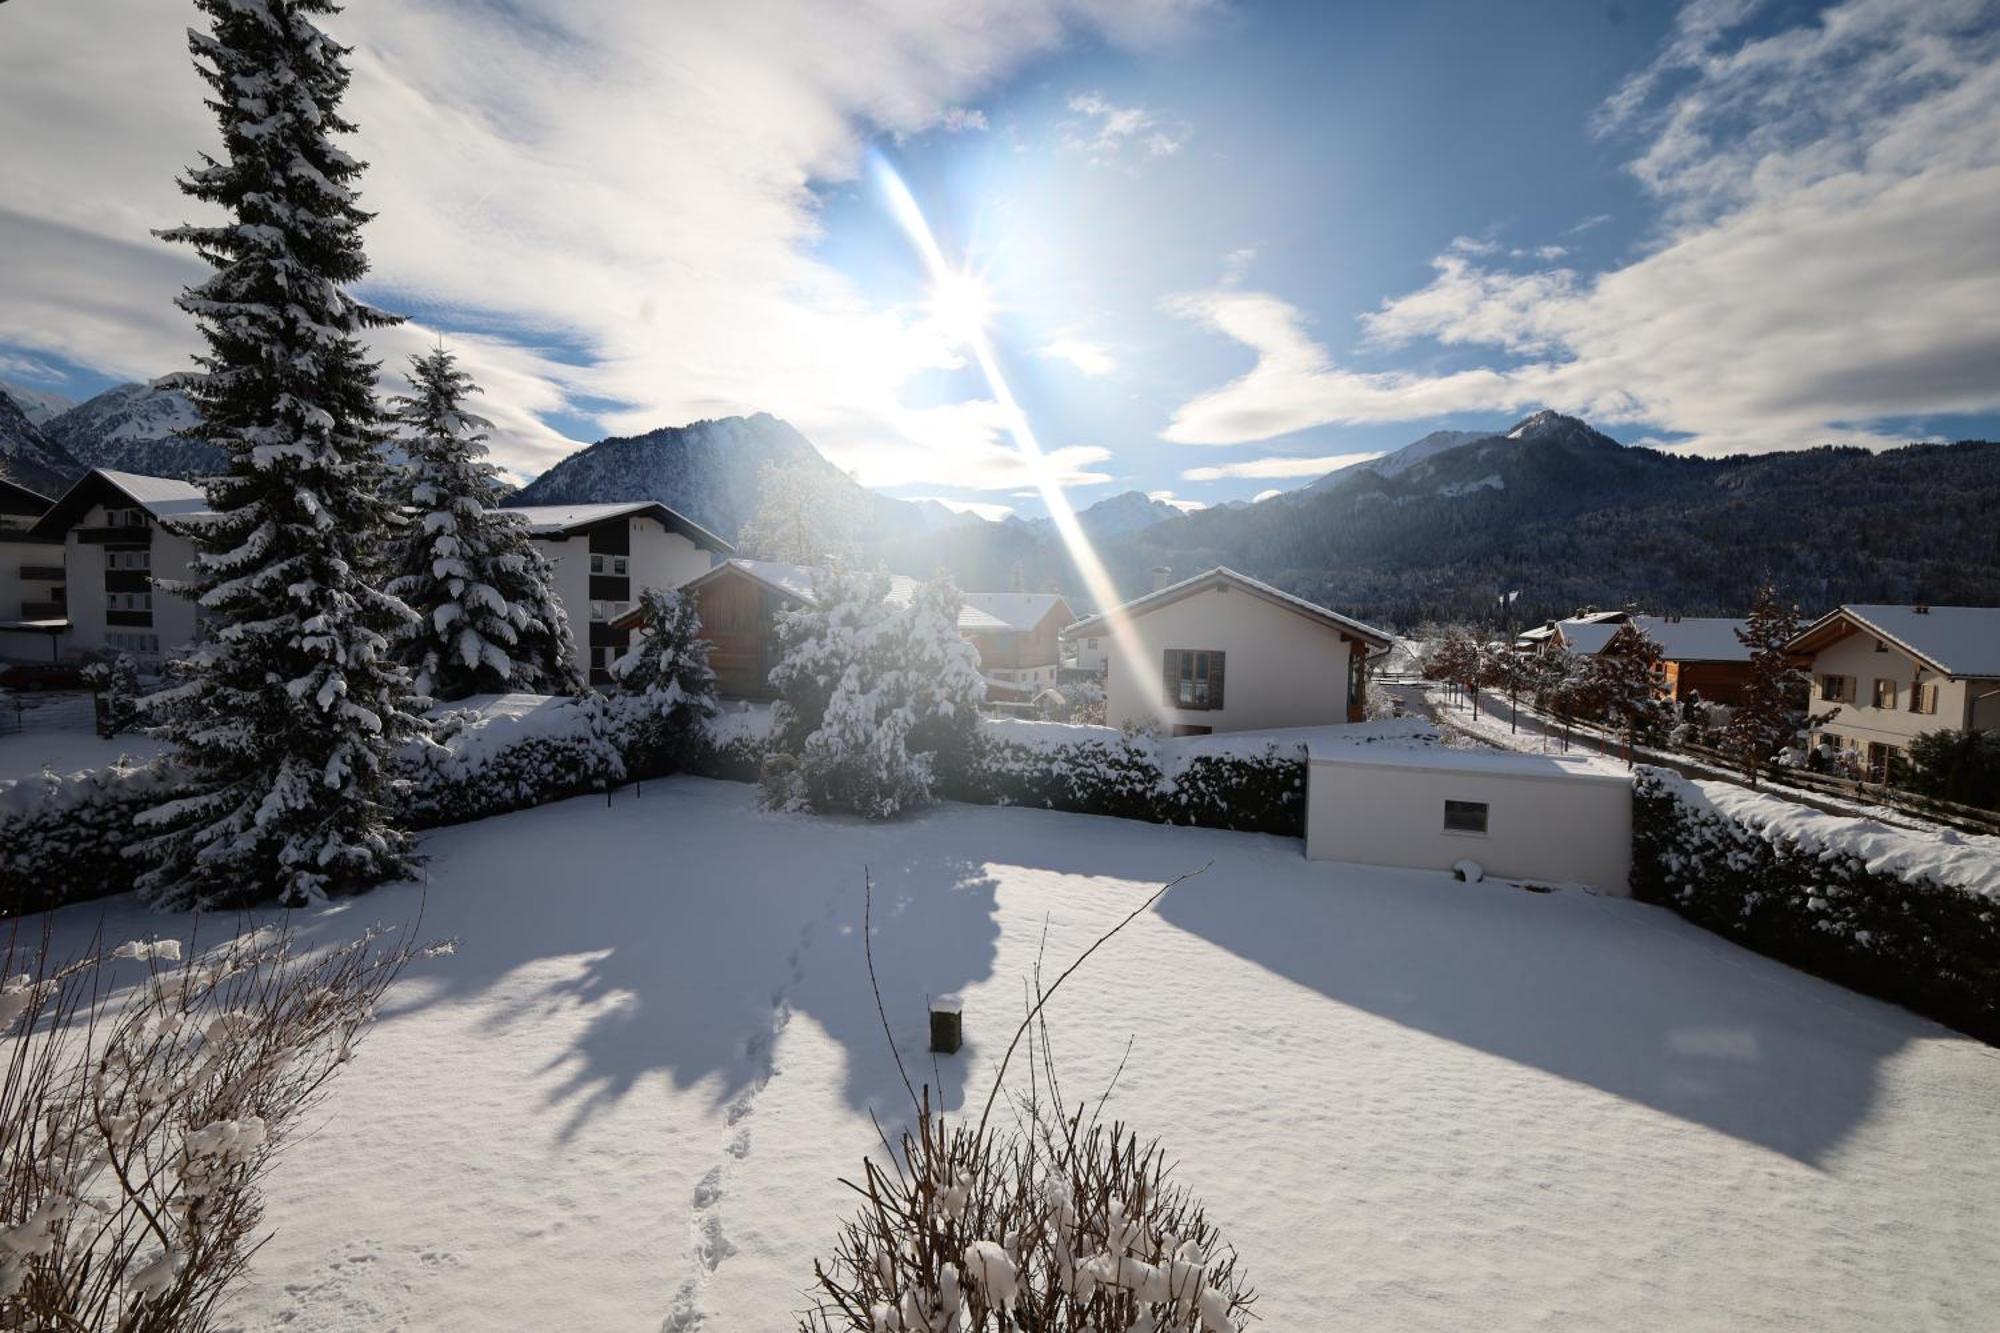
pixel 1411 1103
pixel 23 754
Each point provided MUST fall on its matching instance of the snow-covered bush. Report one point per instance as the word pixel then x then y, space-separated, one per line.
pixel 141 1113
pixel 878 698
pixel 669 688
pixel 1911 917
pixel 64 838
pixel 114 679
pixel 1256 786
pixel 488 761
pixel 1063 1227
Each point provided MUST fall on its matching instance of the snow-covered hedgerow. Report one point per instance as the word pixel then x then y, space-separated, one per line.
pixel 63 837
pixel 1258 787
pixel 512 751
pixel 1911 917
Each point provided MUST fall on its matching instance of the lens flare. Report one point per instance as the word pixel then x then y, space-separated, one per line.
pixel 972 309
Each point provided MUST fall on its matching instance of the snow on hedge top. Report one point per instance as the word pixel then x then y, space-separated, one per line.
pixel 1403 733
pixel 1964 861
pixel 1500 763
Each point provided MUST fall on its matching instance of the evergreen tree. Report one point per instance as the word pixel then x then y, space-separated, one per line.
pixel 1629 683
pixel 1772 710
pixel 292 705
pixel 804 517
pixel 666 676
pixel 488 618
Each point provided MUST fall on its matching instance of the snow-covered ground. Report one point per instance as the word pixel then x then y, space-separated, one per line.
pixel 23 754
pixel 1411 1103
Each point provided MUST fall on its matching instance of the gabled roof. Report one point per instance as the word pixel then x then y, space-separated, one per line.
pixel 1952 640
pixel 162 497
pixel 791 581
pixel 565 520
pixel 1695 638
pixel 1587 637
pixel 1098 623
pixel 1010 610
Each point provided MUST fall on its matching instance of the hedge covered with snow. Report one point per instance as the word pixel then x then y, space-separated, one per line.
pixel 63 838
pixel 1910 917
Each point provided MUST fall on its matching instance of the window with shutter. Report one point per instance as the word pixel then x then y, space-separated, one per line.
pixel 1192 678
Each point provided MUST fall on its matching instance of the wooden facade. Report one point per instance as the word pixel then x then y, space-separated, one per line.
pixel 739 619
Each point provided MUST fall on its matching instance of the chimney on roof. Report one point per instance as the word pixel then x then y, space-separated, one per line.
pixel 1921 609
pixel 1162 576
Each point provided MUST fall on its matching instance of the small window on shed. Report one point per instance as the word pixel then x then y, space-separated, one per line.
pixel 1465 816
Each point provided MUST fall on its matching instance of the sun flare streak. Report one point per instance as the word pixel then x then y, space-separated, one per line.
pixel 962 305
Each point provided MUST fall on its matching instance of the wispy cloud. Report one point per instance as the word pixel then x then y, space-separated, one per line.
pixel 1827 256
pixel 597 201
pixel 1186 506
pixel 1107 133
pixel 1088 357
pixel 1262 496
pixel 1279 467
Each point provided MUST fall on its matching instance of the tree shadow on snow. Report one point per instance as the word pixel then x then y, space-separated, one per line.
pixel 691 930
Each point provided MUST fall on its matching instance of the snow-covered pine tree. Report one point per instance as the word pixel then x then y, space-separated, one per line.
pixel 1772 709
pixel 292 704
pixel 1629 681
pixel 874 694
pixel 666 678
pixel 488 618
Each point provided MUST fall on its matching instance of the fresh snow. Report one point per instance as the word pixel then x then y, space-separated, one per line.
pixel 1966 861
pixel 1411 1103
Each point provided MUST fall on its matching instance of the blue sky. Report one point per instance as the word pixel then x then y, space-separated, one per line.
pixel 1225 243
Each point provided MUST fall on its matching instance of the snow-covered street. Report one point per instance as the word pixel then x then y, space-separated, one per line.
pixel 1411 1103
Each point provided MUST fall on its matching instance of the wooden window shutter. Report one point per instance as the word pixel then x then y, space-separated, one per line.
pixel 1215 680
pixel 1170 676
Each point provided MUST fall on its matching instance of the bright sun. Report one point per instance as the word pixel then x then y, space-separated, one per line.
pixel 961 305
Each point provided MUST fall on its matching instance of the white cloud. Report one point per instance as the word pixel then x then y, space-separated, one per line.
pixel 1088 357
pixel 1110 133
pixel 1184 505
pixel 1829 257
pixel 630 184
pixel 961 120
pixel 1262 496
pixel 1279 467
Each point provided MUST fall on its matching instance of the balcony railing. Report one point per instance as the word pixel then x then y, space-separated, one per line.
pixel 42 573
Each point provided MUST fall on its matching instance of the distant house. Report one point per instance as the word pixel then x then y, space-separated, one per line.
pixel 119 532
pixel 1896 671
pixel 1224 652
pixel 33 616
pixel 604 555
pixel 738 602
pixel 1017 635
pixel 1582 637
pixel 1703 655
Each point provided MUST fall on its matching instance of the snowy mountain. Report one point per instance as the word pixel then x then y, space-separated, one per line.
pixel 131 428
pixel 37 405
pixel 1128 511
pixel 28 457
pixel 1403 459
pixel 708 470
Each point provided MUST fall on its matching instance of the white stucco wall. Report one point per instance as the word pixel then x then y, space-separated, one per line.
pixel 1282 670
pixel 1860 721
pixel 1550 820
pixel 14 590
pixel 173 615
pixel 659 559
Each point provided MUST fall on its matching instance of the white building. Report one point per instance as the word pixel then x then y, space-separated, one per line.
pixel 116 531
pixel 1224 652
pixel 1547 819
pixel 32 612
pixel 1897 671
pixel 605 555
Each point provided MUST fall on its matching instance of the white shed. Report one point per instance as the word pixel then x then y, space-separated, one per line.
pixel 1547 818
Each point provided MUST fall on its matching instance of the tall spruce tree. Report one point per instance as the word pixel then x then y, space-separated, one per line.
pixel 487 615
pixel 1772 709
pixel 292 705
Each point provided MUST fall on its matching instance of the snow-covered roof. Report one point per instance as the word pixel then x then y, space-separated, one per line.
pixel 1695 638
pixel 1187 587
pixel 1956 640
pixel 1443 759
pixel 162 497
pixel 1587 637
pixel 1008 610
pixel 795 581
pixel 562 520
